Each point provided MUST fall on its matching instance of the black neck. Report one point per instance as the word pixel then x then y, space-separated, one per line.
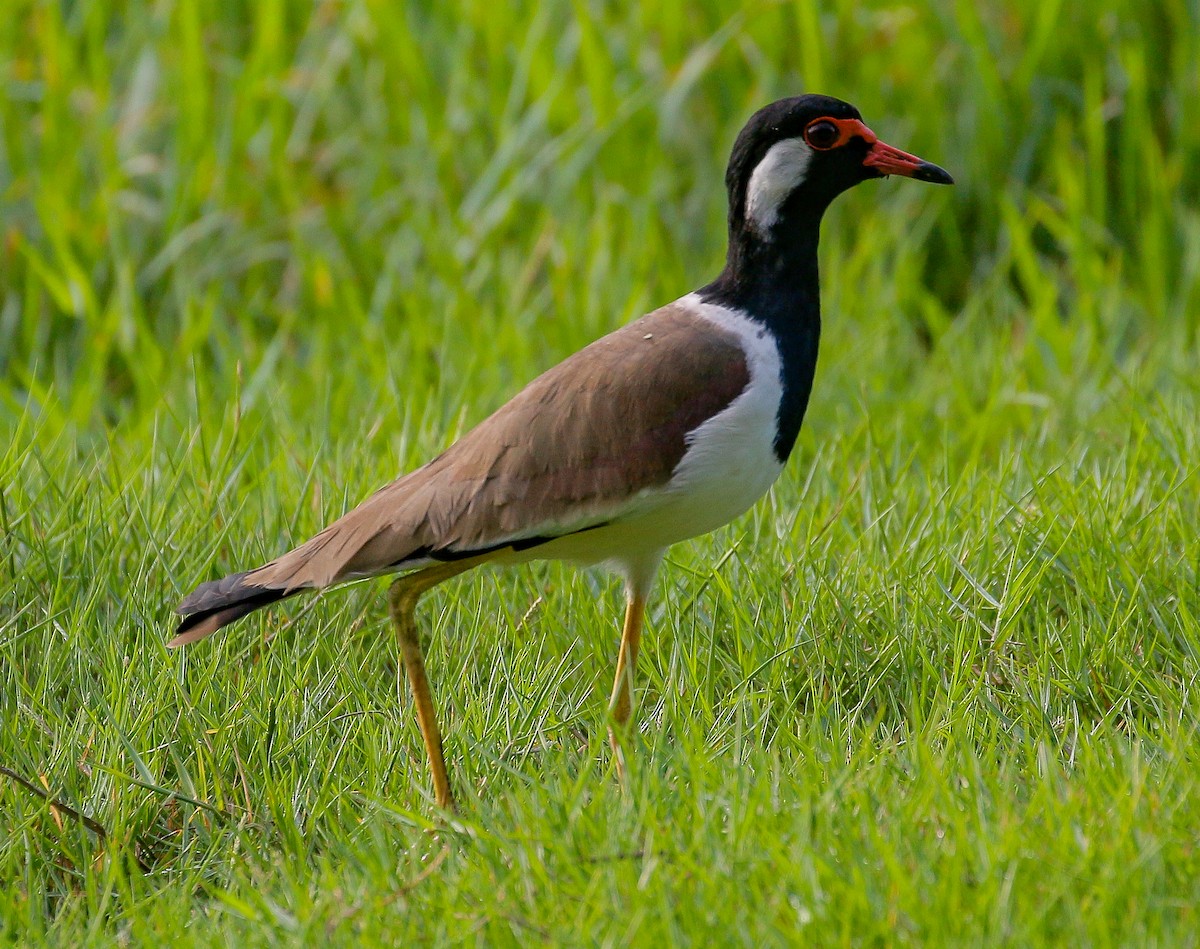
pixel 776 283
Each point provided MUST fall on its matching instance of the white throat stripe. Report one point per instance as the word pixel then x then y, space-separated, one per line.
pixel 780 172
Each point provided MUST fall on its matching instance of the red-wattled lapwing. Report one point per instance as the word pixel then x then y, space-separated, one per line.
pixel 665 429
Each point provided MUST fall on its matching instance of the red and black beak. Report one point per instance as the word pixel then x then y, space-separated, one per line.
pixel 888 160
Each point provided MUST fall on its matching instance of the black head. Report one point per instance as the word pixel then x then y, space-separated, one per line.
pixel 796 155
pixel 792 159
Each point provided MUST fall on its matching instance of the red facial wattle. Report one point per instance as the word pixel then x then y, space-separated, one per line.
pixel 883 158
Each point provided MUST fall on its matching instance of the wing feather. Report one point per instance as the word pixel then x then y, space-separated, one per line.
pixel 574 448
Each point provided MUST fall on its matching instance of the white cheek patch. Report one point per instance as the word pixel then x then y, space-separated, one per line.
pixel 780 172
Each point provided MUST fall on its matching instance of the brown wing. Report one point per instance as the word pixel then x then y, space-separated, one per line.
pixel 567 451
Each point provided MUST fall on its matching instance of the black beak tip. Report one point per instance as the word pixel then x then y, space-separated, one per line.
pixel 928 171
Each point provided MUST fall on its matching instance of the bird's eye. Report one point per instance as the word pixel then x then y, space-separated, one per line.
pixel 822 134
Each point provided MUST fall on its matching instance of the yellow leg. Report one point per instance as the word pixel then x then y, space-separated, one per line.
pixel 620 706
pixel 402 604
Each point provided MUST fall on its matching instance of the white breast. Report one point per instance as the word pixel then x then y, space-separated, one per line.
pixel 729 464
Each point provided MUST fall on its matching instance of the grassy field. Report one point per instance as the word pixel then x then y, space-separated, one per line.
pixel 940 687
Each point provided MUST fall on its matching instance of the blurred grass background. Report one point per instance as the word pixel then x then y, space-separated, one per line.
pixel 292 184
pixel 258 257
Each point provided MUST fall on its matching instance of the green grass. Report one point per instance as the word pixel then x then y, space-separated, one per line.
pixel 940 687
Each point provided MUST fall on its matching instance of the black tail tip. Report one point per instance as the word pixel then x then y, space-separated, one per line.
pixel 219 603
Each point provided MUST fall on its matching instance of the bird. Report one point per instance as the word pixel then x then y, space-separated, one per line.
pixel 665 429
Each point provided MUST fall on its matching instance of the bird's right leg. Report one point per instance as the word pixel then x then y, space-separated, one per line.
pixel 403 597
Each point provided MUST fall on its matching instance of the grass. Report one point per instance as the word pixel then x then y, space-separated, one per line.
pixel 938 688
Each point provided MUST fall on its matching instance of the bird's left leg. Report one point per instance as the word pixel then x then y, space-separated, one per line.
pixel 620 705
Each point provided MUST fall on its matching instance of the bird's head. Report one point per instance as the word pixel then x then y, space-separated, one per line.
pixel 796 155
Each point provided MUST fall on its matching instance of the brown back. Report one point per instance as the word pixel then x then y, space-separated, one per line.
pixel 569 449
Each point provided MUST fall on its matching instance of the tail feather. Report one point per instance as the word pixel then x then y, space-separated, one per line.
pixel 219 603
